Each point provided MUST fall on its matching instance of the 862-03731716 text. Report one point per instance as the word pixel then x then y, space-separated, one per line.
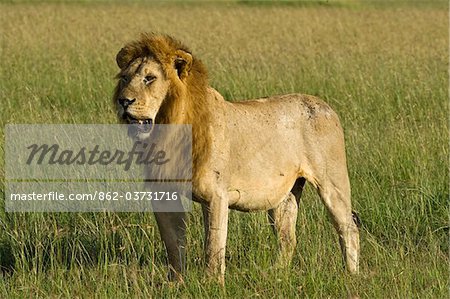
pixel 97 195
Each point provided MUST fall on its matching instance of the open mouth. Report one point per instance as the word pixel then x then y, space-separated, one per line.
pixel 137 126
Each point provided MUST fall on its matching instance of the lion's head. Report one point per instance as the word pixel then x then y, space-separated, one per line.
pixel 161 82
pixel 155 72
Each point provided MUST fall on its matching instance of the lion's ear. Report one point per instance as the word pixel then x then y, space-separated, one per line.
pixel 182 63
pixel 124 57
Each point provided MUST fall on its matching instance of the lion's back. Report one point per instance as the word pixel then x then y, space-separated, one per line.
pixel 298 110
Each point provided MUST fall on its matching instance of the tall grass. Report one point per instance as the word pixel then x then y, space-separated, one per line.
pixel 383 68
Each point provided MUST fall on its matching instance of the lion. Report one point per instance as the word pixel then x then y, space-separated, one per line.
pixel 253 155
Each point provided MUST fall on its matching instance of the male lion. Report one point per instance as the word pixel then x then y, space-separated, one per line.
pixel 250 156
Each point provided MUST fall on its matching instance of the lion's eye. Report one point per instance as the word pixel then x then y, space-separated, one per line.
pixel 124 78
pixel 149 79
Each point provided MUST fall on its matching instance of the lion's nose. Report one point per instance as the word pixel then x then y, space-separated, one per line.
pixel 126 102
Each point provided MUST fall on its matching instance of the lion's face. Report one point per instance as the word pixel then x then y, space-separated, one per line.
pixel 142 88
pixel 146 77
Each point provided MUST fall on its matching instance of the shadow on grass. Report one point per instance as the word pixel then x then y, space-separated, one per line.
pixel 69 247
pixel 7 259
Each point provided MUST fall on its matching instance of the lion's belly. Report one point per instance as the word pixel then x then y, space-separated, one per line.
pixel 259 193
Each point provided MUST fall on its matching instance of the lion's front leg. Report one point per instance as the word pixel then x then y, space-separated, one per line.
pixel 217 237
pixel 205 210
pixel 172 227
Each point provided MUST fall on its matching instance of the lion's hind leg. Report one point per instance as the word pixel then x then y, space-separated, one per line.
pixel 283 220
pixel 336 198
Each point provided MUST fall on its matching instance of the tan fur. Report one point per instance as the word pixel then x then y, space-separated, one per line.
pixel 252 155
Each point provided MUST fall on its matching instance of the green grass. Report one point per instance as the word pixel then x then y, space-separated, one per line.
pixel 383 68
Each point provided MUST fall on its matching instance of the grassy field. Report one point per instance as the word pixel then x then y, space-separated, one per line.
pixel 384 68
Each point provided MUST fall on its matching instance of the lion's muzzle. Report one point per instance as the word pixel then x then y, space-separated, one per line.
pixel 136 126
